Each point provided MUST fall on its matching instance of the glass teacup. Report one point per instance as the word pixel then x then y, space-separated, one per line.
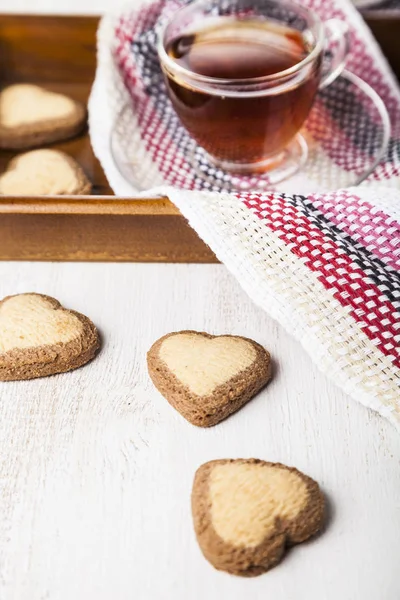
pixel 243 75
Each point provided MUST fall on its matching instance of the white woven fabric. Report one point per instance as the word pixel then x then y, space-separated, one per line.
pixel 300 283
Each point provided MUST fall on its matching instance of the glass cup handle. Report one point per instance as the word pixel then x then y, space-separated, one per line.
pixel 336 49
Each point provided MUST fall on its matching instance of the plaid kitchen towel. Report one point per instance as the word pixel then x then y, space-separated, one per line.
pixel 326 265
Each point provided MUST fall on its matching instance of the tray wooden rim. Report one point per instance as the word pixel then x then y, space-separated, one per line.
pixel 86 205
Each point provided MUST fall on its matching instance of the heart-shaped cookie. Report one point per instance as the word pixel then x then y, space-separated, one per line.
pixel 33 116
pixel 39 337
pixel 247 511
pixel 44 172
pixel 206 377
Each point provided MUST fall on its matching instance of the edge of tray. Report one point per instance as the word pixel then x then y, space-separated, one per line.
pixel 98 230
pixel 86 205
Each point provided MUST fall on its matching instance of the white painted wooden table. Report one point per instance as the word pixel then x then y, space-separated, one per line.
pixel 96 468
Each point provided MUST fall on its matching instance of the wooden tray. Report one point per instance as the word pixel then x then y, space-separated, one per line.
pixel 60 53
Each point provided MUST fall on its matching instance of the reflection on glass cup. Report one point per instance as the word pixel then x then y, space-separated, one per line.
pixel 242 75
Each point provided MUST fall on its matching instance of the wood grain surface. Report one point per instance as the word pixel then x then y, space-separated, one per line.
pixel 97 229
pixel 116 238
pixel 96 468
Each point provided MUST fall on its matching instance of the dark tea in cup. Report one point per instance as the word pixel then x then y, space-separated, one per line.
pixel 242 76
pixel 242 127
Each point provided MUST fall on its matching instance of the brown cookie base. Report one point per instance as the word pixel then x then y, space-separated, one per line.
pixel 206 411
pixel 43 133
pixel 42 361
pixel 249 562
